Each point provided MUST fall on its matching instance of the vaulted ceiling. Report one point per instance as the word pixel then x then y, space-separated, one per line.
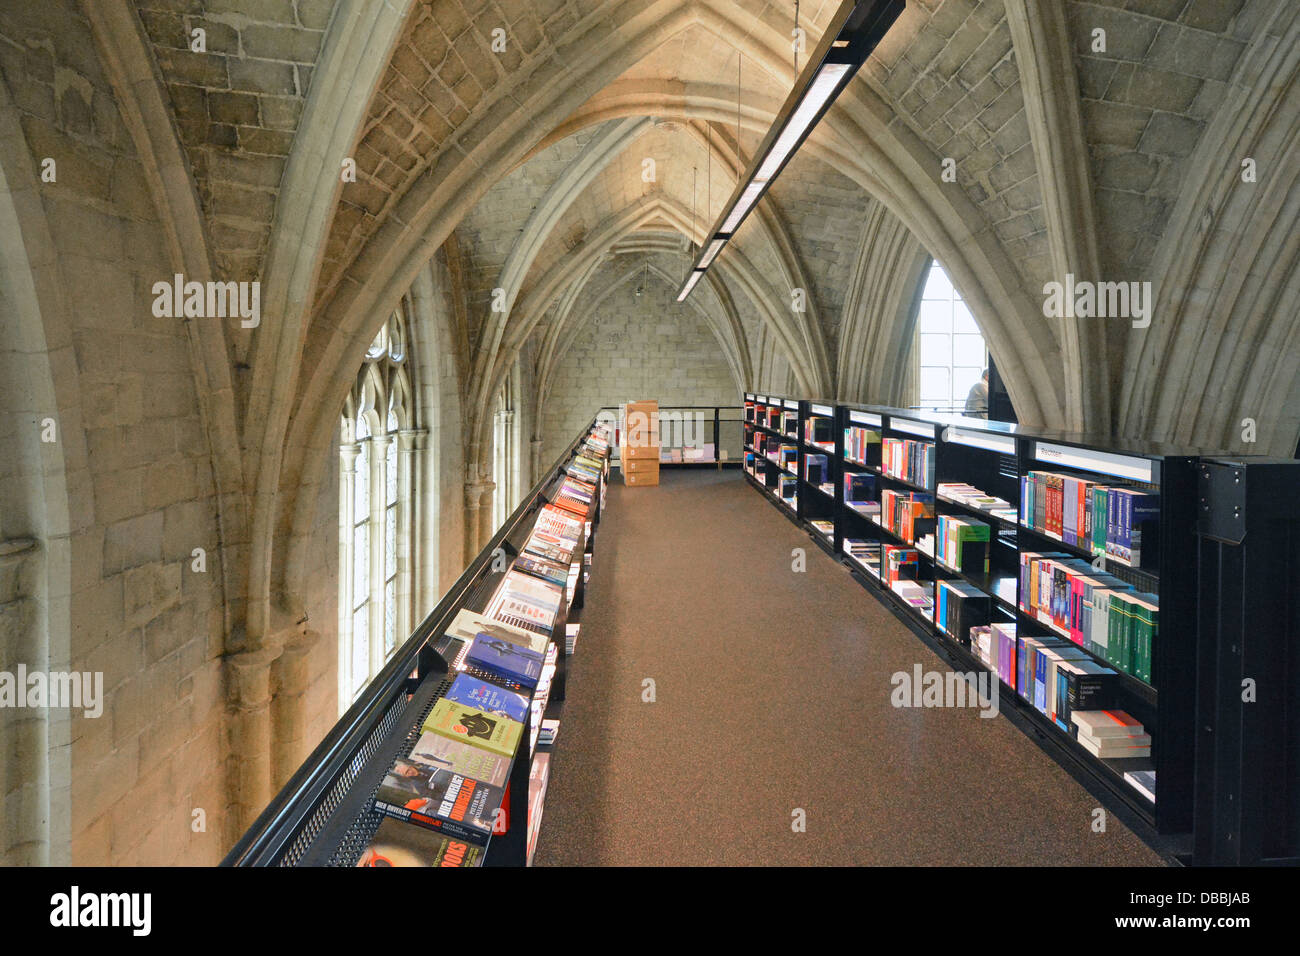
pixel 1095 137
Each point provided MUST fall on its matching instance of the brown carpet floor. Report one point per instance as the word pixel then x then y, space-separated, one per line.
pixel 773 693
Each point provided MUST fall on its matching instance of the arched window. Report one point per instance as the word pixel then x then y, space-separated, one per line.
pixel 374 503
pixel 950 351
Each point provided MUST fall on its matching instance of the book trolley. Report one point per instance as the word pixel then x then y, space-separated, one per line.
pixel 325 814
pixel 841 471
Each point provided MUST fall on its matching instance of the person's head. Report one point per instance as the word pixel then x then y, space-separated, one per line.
pixel 984 376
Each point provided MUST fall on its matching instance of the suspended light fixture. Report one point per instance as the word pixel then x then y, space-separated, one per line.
pixel 853 32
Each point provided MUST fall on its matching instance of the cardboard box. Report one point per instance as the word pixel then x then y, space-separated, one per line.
pixel 633 466
pixel 640 425
pixel 640 452
pixel 642 479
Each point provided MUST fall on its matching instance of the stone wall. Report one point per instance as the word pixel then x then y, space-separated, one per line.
pixel 143 495
pixel 635 347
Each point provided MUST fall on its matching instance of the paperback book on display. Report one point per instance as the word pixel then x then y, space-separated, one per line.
pixel 469 725
pixel 506 660
pixel 400 844
pixel 442 753
pixel 526 602
pixel 454 805
pixel 467 625
pixel 472 692
pixel 552 572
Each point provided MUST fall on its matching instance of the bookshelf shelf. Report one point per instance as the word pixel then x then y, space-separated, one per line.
pixel 985 463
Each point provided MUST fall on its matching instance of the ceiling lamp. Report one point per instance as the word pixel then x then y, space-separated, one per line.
pixel 853 32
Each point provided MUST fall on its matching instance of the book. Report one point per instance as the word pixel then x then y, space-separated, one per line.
pixel 1107 723
pixel 1143 781
pixel 508 660
pixel 538 777
pixel 467 625
pixel 472 692
pixel 400 844
pixel 1112 748
pixel 450 803
pixel 549 571
pixel 437 752
pixel 499 735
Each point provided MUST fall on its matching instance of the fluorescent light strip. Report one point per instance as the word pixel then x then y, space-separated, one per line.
pixel 690 284
pixel 711 253
pixel 819 91
pixel 747 199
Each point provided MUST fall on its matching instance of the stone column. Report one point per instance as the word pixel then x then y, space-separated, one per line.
pixel 487 527
pixel 535 459
pixel 291 682
pixel 248 674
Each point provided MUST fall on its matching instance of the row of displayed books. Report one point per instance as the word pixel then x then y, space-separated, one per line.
pixel 962 543
pixel 902 512
pixel 1098 611
pixel 819 431
pixel 1103 518
pixel 908 460
pixel 858 442
pixel 444 800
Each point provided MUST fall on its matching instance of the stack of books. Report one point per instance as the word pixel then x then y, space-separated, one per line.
pixel 1112 734
pixel 550 729
pixel 972 497
pixel 570 637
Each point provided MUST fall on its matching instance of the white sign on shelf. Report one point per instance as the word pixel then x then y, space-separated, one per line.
pixel 763 399
pixel 790 404
pixel 924 429
pixel 976 439
pixel 864 418
pixel 1122 466
pixel 822 410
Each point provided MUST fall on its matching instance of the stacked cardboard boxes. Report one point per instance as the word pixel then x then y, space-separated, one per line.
pixel 639 447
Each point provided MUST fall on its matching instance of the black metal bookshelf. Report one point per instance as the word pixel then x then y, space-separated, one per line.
pixel 993 457
pixel 325 815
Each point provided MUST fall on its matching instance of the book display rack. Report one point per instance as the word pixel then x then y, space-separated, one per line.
pixel 1066 569
pixel 443 759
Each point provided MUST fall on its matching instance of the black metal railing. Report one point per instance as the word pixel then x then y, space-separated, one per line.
pixel 302 807
pixel 695 434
